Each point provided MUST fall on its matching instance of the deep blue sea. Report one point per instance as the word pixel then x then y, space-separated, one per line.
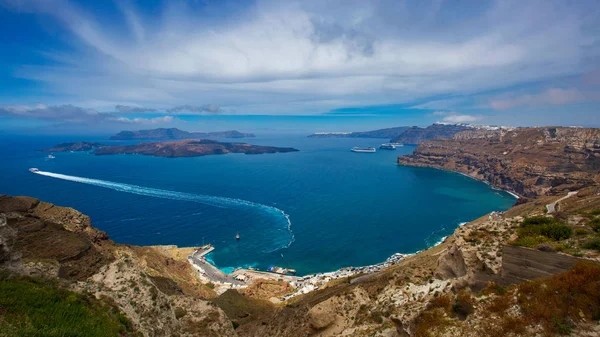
pixel 315 210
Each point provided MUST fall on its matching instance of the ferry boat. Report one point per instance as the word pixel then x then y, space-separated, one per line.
pixel 387 146
pixel 364 149
pixel 281 271
pixel 34 170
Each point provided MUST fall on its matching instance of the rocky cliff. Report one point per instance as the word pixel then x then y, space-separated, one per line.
pixel 158 291
pixel 529 161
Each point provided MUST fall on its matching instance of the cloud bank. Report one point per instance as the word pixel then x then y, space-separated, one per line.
pixel 296 56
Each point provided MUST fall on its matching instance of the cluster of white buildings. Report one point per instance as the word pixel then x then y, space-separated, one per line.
pixel 313 282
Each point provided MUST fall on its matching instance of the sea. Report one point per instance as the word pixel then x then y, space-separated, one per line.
pixel 316 210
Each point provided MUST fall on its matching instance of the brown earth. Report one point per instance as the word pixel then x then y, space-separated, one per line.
pixel 529 161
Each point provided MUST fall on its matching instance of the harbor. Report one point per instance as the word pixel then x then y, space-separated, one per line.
pixel 243 277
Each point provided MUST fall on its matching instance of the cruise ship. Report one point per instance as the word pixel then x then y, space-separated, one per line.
pixel 387 146
pixel 364 149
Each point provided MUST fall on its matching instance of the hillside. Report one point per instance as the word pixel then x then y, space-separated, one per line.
pixel 529 161
pixel 174 133
pixel 530 271
pixel 417 135
pixel 381 133
pixel 59 252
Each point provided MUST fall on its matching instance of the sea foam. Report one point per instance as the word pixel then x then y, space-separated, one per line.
pixel 282 218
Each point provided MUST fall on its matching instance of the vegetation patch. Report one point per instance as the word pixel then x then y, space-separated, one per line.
pixel 539 230
pixel 34 307
pixel 555 304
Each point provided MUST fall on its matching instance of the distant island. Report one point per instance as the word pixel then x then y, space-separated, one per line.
pixel 381 133
pixel 174 133
pixel 190 148
pixel 410 135
pixel 75 146
pixel 417 135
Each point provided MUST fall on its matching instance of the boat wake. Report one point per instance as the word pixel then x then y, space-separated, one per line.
pixel 223 202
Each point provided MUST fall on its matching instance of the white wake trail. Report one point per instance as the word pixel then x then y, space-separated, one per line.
pixel 210 200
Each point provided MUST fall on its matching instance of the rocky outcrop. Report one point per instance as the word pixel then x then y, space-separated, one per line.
pixel 190 148
pixel 528 161
pixel 159 294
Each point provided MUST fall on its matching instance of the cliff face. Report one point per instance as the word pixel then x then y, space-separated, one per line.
pixel 529 161
pixel 417 135
pixel 157 290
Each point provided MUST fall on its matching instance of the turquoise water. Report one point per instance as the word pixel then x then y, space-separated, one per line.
pixel 315 210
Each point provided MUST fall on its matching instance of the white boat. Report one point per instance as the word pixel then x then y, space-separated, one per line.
pixel 34 170
pixel 51 156
pixel 387 146
pixel 397 144
pixel 364 149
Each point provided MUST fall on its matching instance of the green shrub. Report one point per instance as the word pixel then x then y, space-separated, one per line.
pixel 180 312
pixel 35 307
pixel 556 231
pixel 537 220
pixel 531 241
pixel 592 244
pixel 595 224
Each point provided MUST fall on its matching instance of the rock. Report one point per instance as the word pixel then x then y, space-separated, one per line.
pixel 322 315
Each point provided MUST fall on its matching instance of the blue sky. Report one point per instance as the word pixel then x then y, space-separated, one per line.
pixel 339 65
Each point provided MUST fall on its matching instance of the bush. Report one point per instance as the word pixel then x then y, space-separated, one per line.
pixel 595 224
pixel 556 231
pixel 537 220
pixel 463 306
pixel 592 244
pixel 180 312
pixel 36 307
pixel 531 241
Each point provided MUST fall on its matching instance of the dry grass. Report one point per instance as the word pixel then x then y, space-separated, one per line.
pixel 555 305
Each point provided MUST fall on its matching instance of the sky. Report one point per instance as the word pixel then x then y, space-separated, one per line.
pixel 340 65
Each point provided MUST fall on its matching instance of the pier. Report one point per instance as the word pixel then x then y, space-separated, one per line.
pixel 208 271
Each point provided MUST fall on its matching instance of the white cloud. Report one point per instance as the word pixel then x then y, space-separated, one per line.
pixel 148 121
pixel 461 119
pixel 75 115
pixel 455 117
pixel 367 52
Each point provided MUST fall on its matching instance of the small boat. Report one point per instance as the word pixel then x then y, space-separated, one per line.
pixel 387 146
pixel 237 236
pixel 34 170
pixel 51 156
pixel 364 149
